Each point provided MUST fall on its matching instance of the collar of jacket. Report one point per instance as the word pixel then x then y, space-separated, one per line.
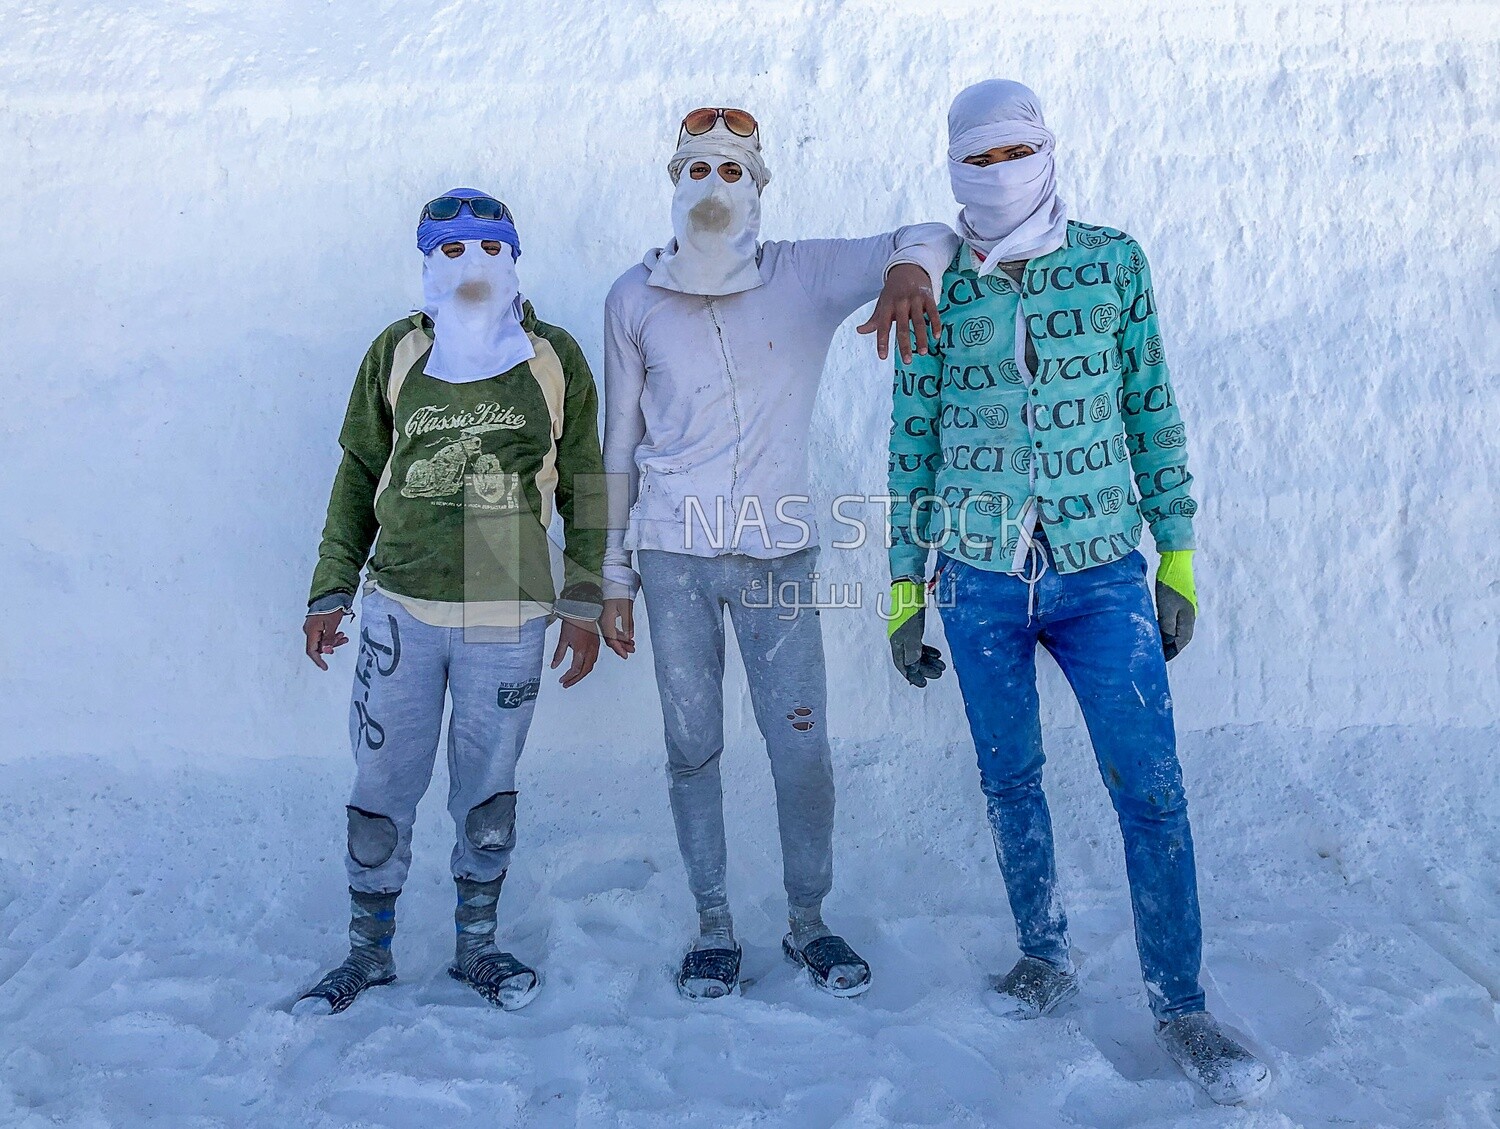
pixel 528 319
pixel 965 263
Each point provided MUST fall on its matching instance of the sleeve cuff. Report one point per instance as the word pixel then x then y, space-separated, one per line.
pixel 580 610
pixel 331 602
pixel 933 253
pixel 621 582
pixel 581 601
pixel 1173 535
pixel 915 571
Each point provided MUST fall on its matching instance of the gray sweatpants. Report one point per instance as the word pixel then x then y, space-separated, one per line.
pixel 782 649
pixel 404 671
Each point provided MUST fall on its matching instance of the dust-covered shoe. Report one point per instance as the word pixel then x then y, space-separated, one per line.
pixel 498 977
pixel 1228 1073
pixel 709 974
pixel 338 989
pixel 832 966
pixel 1031 989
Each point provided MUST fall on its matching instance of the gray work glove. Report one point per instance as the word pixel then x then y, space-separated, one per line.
pixel 1176 601
pixel 916 661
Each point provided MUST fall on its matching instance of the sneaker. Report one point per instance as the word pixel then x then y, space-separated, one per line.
pixel 1031 989
pixel 1227 1072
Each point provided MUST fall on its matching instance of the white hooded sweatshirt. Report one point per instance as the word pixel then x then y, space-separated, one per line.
pixel 709 399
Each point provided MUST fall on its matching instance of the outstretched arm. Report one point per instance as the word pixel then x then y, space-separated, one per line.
pixel 840 275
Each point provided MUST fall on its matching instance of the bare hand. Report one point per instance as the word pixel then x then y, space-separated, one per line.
pixel 583 640
pixel 618 625
pixel 323 635
pixel 907 304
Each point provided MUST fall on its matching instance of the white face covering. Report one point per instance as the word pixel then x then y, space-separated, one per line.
pixel 474 302
pixel 718 235
pixel 1010 209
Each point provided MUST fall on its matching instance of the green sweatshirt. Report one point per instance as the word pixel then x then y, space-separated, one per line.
pixel 455 484
pixel 1077 431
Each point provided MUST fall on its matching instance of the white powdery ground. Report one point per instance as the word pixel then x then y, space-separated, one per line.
pixel 157 923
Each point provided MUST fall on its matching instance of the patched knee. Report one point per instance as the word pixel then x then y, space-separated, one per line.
pixel 491 826
pixel 801 719
pixel 372 838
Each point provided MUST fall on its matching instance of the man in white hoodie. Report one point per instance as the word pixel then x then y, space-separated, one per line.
pixel 713 349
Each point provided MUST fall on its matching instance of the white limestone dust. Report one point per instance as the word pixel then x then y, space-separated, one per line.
pixel 212 213
pixel 156 924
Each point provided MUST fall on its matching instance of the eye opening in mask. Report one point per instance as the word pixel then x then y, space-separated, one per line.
pixel 999 155
pixel 730 171
pixel 454 249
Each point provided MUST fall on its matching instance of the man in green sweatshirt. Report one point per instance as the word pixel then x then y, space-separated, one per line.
pixel 469 422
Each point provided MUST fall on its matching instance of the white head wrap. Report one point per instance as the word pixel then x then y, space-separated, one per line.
pixel 716 223
pixel 725 145
pixel 1010 209
pixel 474 302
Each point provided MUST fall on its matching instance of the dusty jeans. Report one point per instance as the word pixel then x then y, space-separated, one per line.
pixel 1101 628
pixel 405 671
pixel 782 649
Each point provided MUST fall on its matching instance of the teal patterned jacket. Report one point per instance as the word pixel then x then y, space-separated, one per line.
pixel 1092 442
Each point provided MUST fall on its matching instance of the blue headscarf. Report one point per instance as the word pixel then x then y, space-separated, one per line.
pixel 432 234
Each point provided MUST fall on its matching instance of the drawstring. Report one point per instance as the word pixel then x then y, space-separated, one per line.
pixel 1032 571
pixel 1029 562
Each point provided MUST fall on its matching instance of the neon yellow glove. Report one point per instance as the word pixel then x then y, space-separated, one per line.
pixel 907 599
pixel 916 661
pixel 1176 601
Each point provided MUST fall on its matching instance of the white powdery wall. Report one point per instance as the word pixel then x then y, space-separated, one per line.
pixel 211 209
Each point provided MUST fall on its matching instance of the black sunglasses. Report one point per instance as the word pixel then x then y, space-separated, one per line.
pixel 480 207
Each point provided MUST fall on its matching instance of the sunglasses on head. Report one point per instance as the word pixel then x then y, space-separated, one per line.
pixel 480 207
pixel 738 122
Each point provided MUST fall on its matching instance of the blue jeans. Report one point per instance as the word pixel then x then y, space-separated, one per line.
pixel 1100 626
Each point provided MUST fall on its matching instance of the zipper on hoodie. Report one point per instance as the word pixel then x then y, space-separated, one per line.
pixel 734 405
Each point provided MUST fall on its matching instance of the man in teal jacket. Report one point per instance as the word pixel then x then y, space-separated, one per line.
pixel 1029 447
